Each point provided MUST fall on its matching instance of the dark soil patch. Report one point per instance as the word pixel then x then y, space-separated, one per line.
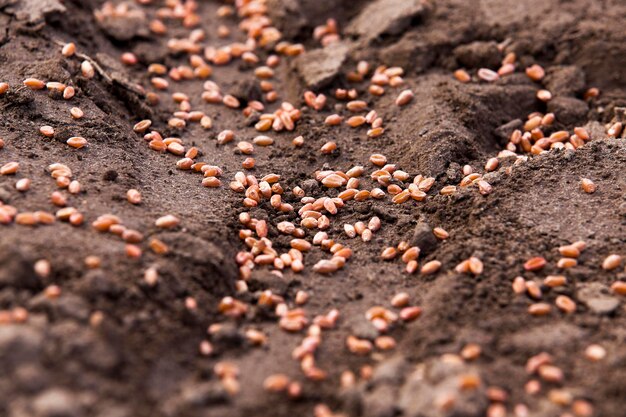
pixel 142 358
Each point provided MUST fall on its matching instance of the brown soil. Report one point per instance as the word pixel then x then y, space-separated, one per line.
pixel 143 360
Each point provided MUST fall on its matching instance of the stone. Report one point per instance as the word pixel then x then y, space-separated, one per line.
pixel 5 194
pixel 568 110
pixel 603 305
pixel 362 328
pixel 597 297
pixel 564 80
pixel 246 90
pixel 478 55
pixel 124 27
pixel 33 11
pixel 423 237
pixel 504 131
pixel 385 17
pixel 543 337
pixel 310 185
pixel 288 15
pixel 319 67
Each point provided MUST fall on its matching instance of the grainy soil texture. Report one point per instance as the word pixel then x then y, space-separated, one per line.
pixel 285 208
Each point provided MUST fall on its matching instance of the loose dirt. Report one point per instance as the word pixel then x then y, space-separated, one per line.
pixel 111 345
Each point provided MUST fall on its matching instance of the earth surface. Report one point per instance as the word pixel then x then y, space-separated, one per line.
pixel 81 336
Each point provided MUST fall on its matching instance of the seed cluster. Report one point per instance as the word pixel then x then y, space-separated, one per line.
pixel 295 225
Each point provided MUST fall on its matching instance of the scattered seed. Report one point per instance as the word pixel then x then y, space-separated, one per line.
pixel 378 159
pixel 550 373
pixel 333 120
pixel 588 186
pixel 9 168
pixel 404 98
pixel 535 72
pixel 544 95
pixel 34 83
pixel 77 142
pixel 328 148
pixel 47 131
pixel 431 267
pixel 87 69
pixel 619 287
pixel 475 265
pixel 411 254
pixel 42 268
pixel 491 165
pixel 611 262
pixel 74 187
pixel 471 352
pixel 535 264
pixel 462 76
pixel 358 346
pixel 487 75
pixel 400 300
pixel 68 50
pixel 76 113
pixel 565 263
pixel 582 408
pixel 245 148
pixel 565 304
pixel 388 253
pixel 25 219
pixel 300 244
pixel 539 309
pixel 375 132
pixel 69 92
pixel 519 285
pixel 582 133
pixel 448 190
pixel 276 383
pixel 23 184
pixel 595 353
pixel 569 251
pixel 262 141
pixel 298 141
pixel 440 233
pixel 133 196
pixel 533 289
pixel 167 222
pixel 52 292
pixel 554 281
pixel 231 101
pixel 410 313
pixel 225 136
pixel 142 126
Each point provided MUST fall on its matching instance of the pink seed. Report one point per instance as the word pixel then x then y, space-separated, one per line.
pixel 404 98
pixel 77 142
pixel 487 75
pixel 167 222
